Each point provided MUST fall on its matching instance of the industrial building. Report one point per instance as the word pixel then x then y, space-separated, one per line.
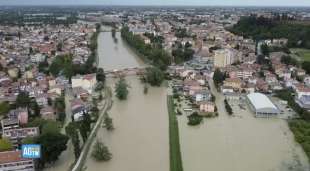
pixel 261 105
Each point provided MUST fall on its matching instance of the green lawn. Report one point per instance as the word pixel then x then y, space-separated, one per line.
pixel 174 141
pixel 303 54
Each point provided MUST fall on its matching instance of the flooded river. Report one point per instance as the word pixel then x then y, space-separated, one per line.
pixel 116 55
pixel 140 140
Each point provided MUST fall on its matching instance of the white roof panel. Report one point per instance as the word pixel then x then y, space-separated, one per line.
pixel 260 101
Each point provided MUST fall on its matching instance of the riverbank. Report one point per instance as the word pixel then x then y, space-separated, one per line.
pixel 103 108
pixel 174 141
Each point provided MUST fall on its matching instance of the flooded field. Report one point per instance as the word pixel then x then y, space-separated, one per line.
pixel 241 143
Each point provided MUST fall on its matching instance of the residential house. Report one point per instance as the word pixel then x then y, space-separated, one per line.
pixel 48 113
pixel 21 114
pixel 78 108
pixel 307 80
pixel 301 90
pixel 87 82
pixel 235 83
pixel 304 102
pixel 227 89
pixel 16 135
pixel 206 106
pixel 13 161
pixel 9 123
pixel 300 72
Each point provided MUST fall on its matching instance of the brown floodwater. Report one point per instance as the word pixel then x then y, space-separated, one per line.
pixel 140 141
pixel 241 143
pixel 115 56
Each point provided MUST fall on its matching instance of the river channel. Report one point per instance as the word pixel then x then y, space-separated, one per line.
pixel 140 140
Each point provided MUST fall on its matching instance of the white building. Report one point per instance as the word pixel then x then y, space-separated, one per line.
pixel 223 57
pixel 87 82
pixel 262 105
pixel 37 58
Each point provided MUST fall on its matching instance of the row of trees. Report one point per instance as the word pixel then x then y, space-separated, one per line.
pixel 157 56
pixel 76 129
pixel 265 28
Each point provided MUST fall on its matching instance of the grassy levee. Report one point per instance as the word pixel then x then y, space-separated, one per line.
pixel 174 141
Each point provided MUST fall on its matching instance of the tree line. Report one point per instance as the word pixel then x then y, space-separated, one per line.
pixel 157 56
pixel 259 28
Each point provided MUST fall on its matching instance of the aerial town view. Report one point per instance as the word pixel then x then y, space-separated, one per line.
pixel 165 85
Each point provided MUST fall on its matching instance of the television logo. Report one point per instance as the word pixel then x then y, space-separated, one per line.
pixel 31 151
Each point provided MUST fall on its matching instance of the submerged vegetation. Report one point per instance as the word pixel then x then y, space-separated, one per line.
pixel 121 89
pixel 194 119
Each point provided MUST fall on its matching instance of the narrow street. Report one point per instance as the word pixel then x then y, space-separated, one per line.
pixel 67 157
pixel 219 100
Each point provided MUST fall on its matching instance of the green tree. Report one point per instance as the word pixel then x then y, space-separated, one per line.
pixel 71 131
pixel 108 122
pixel 306 66
pixel 23 99
pixel 154 76
pixel 29 140
pixel 265 49
pixel 100 75
pixel 218 77
pixel 4 108
pixel 194 119
pixel 62 65
pixel 53 144
pixel 60 107
pixel 101 152
pixel 121 89
pixel 5 145
pixel 85 126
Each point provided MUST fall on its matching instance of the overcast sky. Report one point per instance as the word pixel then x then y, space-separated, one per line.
pixel 161 2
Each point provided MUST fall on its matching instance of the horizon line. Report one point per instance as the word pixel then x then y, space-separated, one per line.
pixel 199 6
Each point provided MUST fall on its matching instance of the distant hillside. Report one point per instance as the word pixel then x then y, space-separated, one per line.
pixel 258 28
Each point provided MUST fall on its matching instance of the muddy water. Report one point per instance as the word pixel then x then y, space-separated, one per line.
pixel 241 143
pixel 140 139
pixel 116 55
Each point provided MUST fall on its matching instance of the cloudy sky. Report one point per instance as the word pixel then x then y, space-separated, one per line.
pixel 160 2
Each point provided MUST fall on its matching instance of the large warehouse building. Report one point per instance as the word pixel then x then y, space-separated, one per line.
pixel 262 105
